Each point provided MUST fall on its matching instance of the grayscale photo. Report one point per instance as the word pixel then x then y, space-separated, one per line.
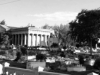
pixel 49 37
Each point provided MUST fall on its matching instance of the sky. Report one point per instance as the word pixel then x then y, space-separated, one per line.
pixel 20 13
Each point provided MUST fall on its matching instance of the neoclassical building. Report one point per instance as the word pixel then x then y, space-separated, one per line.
pixel 30 36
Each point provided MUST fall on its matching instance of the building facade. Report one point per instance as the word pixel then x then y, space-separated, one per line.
pixel 30 36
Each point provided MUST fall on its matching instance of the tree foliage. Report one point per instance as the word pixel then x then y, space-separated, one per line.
pixel 46 26
pixel 2 22
pixel 5 40
pixel 1 38
pixel 5 36
pixel 85 28
pixel 61 33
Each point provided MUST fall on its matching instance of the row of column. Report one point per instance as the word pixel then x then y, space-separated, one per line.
pixel 29 39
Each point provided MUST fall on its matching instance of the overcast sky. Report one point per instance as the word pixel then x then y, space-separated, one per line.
pixel 40 12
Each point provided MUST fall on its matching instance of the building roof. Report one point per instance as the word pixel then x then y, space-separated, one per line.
pixel 33 28
pixel 4 28
pixel 20 29
pixel 41 29
pixel 12 27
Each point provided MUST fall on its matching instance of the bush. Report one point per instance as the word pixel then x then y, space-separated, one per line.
pixel 97 64
pixel 40 57
pixel 31 53
pixel 2 52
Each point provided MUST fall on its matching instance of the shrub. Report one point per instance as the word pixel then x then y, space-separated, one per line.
pixel 31 53
pixel 2 52
pixel 97 64
pixel 40 57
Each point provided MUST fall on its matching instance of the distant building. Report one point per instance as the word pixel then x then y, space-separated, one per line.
pixel 30 36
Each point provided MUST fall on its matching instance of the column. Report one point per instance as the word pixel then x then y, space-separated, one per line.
pixel 31 39
pixel 35 39
pixel 40 40
pixel 25 39
pixel 21 39
pixel 43 40
pixel 46 40
pixel 12 40
pixel 15 39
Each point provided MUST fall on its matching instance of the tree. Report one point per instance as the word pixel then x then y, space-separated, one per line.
pixel 86 27
pixel 1 38
pixel 46 26
pixel 5 39
pixel 61 34
pixel 5 36
pixel 2 22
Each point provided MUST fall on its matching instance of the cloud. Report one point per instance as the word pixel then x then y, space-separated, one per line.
pixel 57 16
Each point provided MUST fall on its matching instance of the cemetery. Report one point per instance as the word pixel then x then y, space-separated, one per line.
pixel 34 51
pixel 48 63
